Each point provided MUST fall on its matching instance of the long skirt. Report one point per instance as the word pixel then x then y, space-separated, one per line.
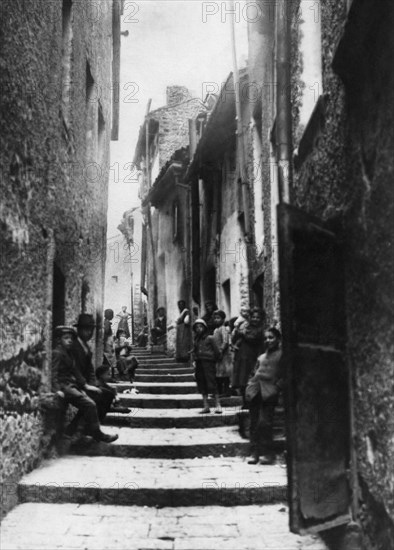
pixel 183 342
pixel 261 424
pixel 244 362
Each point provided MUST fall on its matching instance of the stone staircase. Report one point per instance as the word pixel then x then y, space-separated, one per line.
pixel 172 480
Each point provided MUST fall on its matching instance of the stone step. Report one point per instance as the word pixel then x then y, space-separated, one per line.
pixel 163 377
pixel 170 443
pixel 181 401
pixel 181 418
pixel 164 366
pixel 158 358
pixel 172 418
pixel 226 481
pixel 149 356
pixel 164 370
pixel 168 388
pixel 97 527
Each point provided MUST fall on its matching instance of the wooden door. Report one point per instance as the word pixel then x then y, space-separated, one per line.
pixel 317 386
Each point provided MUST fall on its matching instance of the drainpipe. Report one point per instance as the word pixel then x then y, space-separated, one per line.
pixel 240 138
pixel 148 212
pixel 283 117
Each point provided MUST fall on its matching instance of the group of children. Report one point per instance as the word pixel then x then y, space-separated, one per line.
pixel 240 356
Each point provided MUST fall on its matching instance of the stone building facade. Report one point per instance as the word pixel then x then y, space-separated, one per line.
pixel 59 65
pixel 123 271
pixel 327 142
pixel 162 159
pixel 223 228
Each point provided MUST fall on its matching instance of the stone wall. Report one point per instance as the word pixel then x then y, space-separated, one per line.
pixel 54 158
pixel 347 174
pixel 174 126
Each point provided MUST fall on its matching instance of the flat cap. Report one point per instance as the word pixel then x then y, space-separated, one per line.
pixel 63 329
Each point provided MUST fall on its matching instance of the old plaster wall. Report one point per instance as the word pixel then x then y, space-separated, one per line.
pixel 172 280
pixel 262 162
pixel 53 204
pixel 348 176
pixel 173 135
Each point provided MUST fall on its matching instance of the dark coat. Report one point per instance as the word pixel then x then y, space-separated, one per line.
pixel 84 363
pixel 161 325
pixel 206 349
pixel 64 371
pixel 208 318
pixel 250 340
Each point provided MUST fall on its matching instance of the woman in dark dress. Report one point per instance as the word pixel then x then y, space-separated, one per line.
pixel 210 307
pixel 249 340
pixel 123 324
pixel 183 336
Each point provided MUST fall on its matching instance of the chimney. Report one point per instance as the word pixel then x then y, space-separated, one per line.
pixel 177 94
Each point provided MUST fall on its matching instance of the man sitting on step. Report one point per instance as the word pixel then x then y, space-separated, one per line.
pixel 69 384
pixel 126 362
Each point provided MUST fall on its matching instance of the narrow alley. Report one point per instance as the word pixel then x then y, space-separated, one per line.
pixel 175 479
pixel 196 274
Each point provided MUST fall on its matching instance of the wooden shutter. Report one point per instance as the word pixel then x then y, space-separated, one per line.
pixel 317 386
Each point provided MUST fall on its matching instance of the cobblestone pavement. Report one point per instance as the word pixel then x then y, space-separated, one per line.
pixel 174 479
pixel 102 527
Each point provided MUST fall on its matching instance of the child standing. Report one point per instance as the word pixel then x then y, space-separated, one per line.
pixel 248 340
pixel 224 363
pixel 262 393
pixel 205 355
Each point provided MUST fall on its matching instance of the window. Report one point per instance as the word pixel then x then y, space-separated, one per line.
pixel 226 286
pixel 100 135
pixel 114 278
pixel 90 112
pixel 89 83
pixel 66 58
pixel 58 297
pixel 175 221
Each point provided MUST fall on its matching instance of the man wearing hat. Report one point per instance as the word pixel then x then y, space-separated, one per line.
pixel 68 383
pixel 159 331
pixel 83 360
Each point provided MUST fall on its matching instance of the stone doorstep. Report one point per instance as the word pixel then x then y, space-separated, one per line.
pixel 109 527
pixel 145 482
pixel 184 401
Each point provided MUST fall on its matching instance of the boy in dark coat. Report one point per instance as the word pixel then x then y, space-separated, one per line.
pixel 205 355
pixel 84 362
pixel 72 386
